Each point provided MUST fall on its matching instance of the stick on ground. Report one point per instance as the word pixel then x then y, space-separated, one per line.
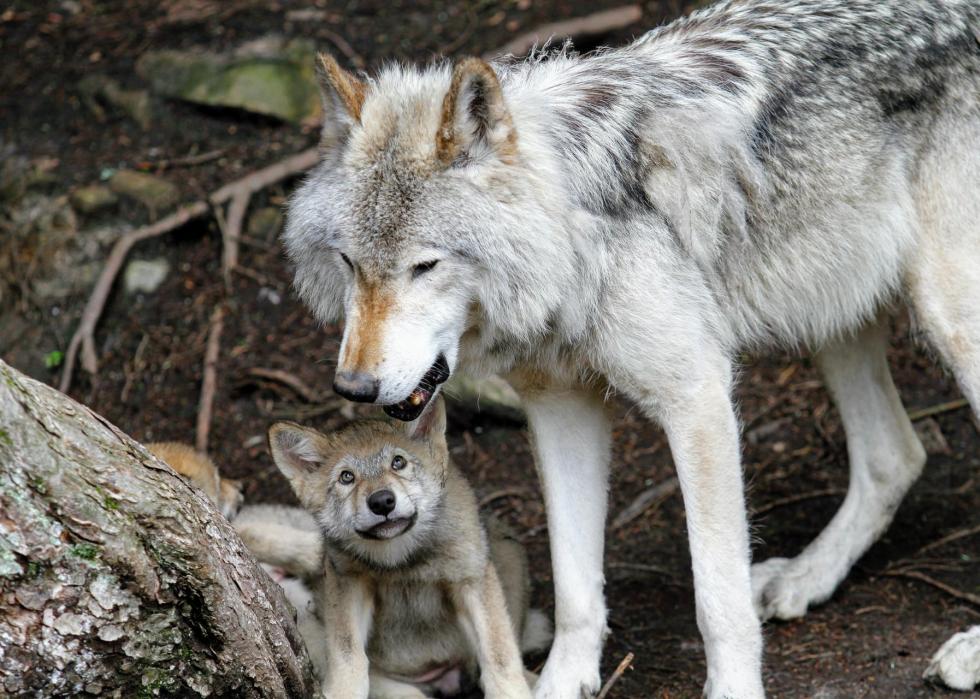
pixel 624 664
pixel 209 381
pixel 589 25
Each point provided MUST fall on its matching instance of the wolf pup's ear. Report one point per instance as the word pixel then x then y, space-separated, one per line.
pixel 474 119
pixel 295 450
pixel 430 426
pixel 342 96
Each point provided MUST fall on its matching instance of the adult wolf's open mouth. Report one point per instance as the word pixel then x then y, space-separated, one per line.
pixel 412 407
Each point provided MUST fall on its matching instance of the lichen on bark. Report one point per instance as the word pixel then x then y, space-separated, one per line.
pixel 117 578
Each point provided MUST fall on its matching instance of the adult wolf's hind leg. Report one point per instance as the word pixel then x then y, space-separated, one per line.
pixel 885 459
pixel 957 663
pixel 944 292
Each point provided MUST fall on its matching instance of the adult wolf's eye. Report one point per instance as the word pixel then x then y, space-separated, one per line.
pixel 423 267
pixel 346 477
pixel 347 261
pixel 398 463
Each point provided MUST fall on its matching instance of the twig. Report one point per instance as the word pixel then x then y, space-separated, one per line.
pixel 938 409
pixel 285 378
pixel 645 500
pixel 231 235
pixel 83 339
pixel 793 499
pixel 597 23
pixel 131 374
pixel 187 160
pixel 949 538
pixel 209 381
pixel 938 584
pixel 617 673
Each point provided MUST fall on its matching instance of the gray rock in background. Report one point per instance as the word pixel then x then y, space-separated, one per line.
pixel 145 276
pixel 92 199
pixel 491 396
pixel 269 76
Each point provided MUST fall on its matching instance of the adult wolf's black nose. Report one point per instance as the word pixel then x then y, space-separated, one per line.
pixel 381 502
pixel 356 386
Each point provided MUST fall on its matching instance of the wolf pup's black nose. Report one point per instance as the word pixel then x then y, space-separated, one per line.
pixel 381 502
pixel 356 386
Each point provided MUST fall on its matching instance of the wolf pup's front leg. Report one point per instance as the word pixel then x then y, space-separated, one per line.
pixel 483 609
pixel 347 609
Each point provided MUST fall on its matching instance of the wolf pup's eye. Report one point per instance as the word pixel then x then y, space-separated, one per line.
pixel 347 261
pixel 423 267
pixel 398 463
pixel 346 477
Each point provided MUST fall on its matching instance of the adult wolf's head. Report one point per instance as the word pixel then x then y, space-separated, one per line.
pixel 402 226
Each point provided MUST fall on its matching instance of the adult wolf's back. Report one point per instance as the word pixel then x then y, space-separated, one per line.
pixel 758 174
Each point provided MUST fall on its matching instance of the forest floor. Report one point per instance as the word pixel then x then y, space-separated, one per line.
pixel 873 639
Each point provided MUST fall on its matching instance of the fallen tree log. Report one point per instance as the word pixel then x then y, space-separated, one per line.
pixel 119 579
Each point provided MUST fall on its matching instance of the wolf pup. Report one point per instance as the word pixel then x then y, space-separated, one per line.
pixel 761 174
pixel 196 467
pixel 410 588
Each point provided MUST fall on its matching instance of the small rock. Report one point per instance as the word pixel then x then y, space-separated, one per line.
pixel 265 223
pixel 145 276
pixel 136 104
pixel 93 198
pixel 155 193
pixel 268 76
pixel 98 90
pixel 270 295
pixel 491 396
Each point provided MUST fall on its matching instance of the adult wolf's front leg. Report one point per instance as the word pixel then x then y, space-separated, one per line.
pixel 571 435
pixel 704 440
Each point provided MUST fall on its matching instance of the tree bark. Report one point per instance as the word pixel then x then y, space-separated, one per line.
pixel 117 578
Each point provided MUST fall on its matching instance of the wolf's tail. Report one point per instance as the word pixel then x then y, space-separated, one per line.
pixel 284 537
pixel 537 632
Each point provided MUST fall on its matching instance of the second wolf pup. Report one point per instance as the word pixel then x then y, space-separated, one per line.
pixel 411 589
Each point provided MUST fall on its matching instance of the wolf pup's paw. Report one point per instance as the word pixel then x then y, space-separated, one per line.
pixel 957 663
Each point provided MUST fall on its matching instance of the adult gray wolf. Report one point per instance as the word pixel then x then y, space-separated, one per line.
pixel 411 591
pixel 760 174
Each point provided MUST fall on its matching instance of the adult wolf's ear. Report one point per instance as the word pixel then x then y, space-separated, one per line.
pixel 342 96
pixel 474 119
pixel 297 451
pixel 430 426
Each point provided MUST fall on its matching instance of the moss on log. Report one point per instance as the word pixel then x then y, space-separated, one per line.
pixel 119 579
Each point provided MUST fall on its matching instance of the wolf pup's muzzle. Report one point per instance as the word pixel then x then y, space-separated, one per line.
pixel 410 408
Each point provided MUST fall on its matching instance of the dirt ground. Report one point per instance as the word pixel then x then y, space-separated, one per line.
pixel 873 639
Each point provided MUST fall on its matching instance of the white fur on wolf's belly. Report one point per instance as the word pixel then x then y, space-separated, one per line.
pixel 957 663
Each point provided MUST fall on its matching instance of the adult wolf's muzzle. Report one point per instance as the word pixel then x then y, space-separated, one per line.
pixel 410 408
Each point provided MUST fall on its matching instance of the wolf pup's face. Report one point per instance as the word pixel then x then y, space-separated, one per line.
pixel 391 229
pixel 376 488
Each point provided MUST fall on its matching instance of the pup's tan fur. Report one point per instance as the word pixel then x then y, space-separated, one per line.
pixel 196 467
pixel 402 611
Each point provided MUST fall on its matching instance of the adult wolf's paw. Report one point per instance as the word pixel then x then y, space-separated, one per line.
pixel 957 663
pixel 777 592
pixel 572 672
